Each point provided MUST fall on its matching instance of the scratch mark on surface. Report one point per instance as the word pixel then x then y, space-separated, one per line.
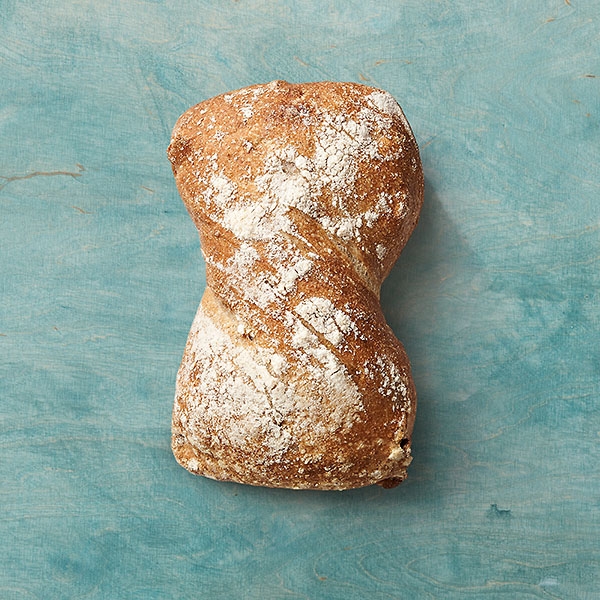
pixel 9 179
pixel 590 76
pixel 304 64
pixel 147 189
pixel 363 77
pixel 282 585
pixel 83 212
pixel 500 513
pixel 530 411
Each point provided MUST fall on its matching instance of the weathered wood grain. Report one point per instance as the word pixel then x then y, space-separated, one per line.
pixel 495 297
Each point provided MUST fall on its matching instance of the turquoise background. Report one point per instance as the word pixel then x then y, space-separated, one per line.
pixel 495 297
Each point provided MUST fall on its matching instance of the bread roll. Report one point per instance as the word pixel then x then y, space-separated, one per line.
pixel 304 196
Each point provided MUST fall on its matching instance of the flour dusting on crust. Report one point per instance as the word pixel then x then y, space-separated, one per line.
pixel 304 196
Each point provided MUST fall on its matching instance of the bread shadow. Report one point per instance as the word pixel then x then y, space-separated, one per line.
pixel 409 299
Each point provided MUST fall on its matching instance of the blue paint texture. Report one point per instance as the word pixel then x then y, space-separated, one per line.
pixel 495 297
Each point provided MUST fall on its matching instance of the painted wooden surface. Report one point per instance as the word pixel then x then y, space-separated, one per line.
pixel 496 299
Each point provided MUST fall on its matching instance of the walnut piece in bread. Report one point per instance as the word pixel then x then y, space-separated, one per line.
pixel 304 196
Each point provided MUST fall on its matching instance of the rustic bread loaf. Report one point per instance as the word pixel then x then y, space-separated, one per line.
pixel 304 195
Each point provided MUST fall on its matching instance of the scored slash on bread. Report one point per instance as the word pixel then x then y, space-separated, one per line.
pixel 304 196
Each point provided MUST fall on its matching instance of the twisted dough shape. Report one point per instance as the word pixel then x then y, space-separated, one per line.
pixel 304 196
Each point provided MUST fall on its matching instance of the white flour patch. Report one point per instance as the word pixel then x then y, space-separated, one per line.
pixel 392 379
pixel 328 372
pixel 221 191
pixel 325 318
pixel 237 393
pixel 385 103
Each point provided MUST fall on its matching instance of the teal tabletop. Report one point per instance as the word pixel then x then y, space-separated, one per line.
pixel 496 299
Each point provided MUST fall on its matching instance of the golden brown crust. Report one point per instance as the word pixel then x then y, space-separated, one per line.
pixel 304 196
